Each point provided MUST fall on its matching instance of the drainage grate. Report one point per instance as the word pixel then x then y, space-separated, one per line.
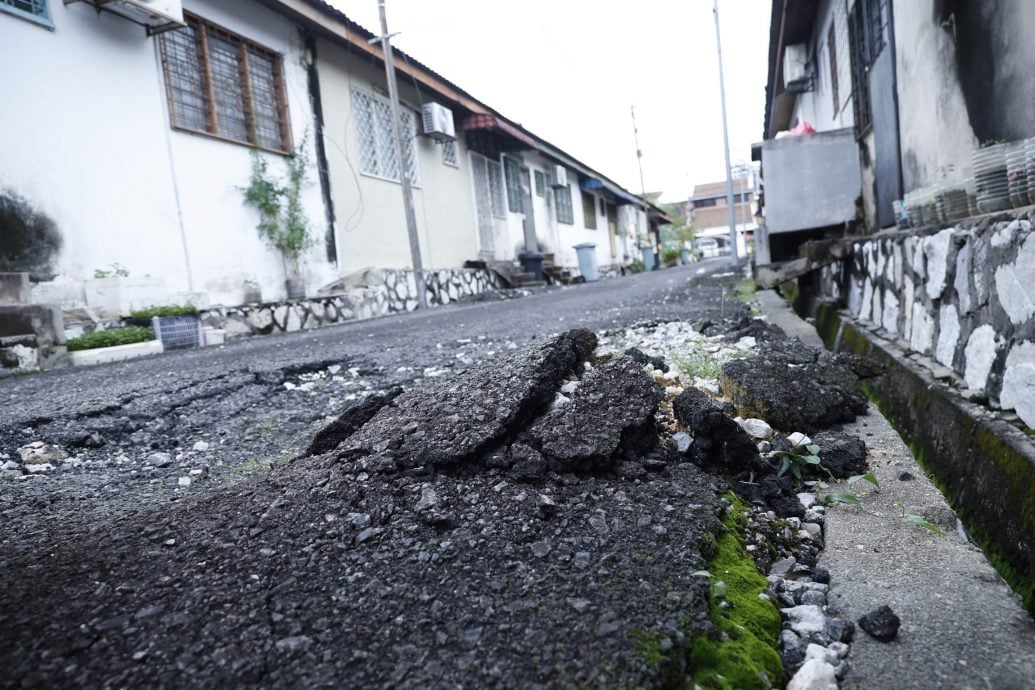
pixel 177 332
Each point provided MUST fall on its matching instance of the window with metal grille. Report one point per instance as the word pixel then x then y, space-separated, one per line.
pixel 34 10
pixel 589 211
pixel 540 183
pixel 513 174
pixel 449 154
pixel 562 199
pixel 868 31
pixel 495 173
pixel 376 144
pixel 224 85
pixel 832 54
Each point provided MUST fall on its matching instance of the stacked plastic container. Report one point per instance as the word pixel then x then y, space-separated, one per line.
pixel 1002 177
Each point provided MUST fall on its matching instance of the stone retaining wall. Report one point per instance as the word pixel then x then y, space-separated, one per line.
pixel 963 295
pixel 397 293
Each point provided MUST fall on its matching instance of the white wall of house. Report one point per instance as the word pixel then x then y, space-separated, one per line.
pixel 370 221
pixel 819 106
pixel 93 148
pixel 934 126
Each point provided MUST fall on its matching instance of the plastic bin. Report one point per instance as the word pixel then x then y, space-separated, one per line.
pixel 587 261
pixel 648 258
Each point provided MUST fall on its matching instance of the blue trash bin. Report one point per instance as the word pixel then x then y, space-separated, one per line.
pixel 648 258
pixel 587 261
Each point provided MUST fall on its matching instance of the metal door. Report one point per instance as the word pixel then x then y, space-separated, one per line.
pixel 612 228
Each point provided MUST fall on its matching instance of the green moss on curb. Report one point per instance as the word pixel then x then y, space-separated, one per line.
pixel 744 653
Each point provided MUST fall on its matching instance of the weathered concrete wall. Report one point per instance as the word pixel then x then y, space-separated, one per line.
pixel 964 295
pixel 398 293
pixel 930 98
pixel 811 181
pixel 964 77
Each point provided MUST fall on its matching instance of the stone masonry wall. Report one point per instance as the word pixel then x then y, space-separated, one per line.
pixel 962 295
pixel 398 293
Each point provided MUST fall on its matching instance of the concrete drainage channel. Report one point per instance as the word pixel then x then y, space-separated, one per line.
pixel 961 625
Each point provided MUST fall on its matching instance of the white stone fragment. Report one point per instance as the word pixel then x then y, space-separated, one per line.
pixel 889 317
pixel 807 500
pixel 936 249
pixel 979 356
pixel 948 334
pixel 1015 284
pixel 798 439
pixel 815 651
pixel 922 336
pixel 39 467
pixel 814 674
pixel 201 446
pixel 866 305
pixel 183 481
pixel 805 619
pixel 756 428
pixel 1019 382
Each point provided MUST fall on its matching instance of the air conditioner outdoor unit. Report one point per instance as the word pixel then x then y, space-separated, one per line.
pixel 438 122
pixel 558 176
pixel 795 65
pixel 156 15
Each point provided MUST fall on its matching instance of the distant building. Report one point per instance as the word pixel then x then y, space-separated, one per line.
pixel 709 214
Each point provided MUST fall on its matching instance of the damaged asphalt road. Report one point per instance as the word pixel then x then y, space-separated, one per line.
pixel 387 565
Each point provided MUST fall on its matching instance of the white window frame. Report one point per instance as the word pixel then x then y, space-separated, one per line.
pixel 450 153
pixel 40 16
pixel 383 150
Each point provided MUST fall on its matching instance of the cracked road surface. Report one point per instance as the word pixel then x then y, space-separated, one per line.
pixel 164 553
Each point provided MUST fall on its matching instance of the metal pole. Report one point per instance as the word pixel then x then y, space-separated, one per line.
pixel 643 187
pixel 407 189
pixel 726 143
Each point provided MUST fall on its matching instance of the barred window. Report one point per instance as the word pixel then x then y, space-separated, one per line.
pixel 221 84
pixel 562 199
pixel 540 183
pixel 513 174
pixel 34 10
pixel 376 144
pixel 449 155
pixel 495 171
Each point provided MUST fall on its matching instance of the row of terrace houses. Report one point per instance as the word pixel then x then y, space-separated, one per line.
pixel 132 126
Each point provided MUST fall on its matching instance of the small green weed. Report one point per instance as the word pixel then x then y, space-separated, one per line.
pixel 117 270
pixel 254 466
pixel 266 427
pixel 699 364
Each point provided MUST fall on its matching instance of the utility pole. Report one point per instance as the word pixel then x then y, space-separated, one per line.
pixel 407 189
pixel 726 142
pixel 643 187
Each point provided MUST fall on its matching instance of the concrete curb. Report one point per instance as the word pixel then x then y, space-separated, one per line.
pixel 962 627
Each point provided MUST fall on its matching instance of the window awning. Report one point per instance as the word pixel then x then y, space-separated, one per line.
pixel 591 183
pixel 492 122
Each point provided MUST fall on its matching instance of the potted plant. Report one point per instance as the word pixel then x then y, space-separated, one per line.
pixel 282 220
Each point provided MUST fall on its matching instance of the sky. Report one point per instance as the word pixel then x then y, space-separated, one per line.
pixel 569 70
